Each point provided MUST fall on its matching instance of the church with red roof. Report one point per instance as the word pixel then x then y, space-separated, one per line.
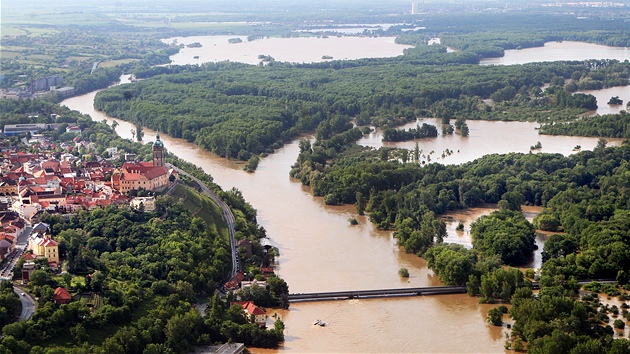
pixel 134 175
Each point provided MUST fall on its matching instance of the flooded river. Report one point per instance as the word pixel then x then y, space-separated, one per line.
pixel 557 51
pixel 294 50
pixel 321 251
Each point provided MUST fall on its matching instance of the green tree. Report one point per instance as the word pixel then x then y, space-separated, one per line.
pixel 452 263
pixel 505 233
pixel 403 272
pixel 464 130
pixel 361 203
pixel 495 316
pixel 67 279
pixel 39 277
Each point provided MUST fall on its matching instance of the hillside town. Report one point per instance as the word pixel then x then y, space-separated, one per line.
pixel 45 176
pixel 57 179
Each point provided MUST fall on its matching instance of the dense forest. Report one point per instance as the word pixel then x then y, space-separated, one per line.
pixel 237 110
pixel 607 126
pixel 143 274
pixel 424 131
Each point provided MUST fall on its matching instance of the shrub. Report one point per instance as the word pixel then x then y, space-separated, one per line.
pixel 495 316
pixel 619 324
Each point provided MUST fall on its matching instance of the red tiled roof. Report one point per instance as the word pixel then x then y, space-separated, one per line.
pixel 132 176
pixel 235 282
pixel 103 202
pixel 74 200
pixel 47 242
pixel 38 189
pixel 61 294
pixel 156 172
pixel 89 204
pixel 266 270
pixel 250 307
pixel 29 256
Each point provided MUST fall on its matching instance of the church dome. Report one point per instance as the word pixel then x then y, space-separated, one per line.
pixel 158 143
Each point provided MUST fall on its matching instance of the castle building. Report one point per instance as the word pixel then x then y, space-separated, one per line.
pixel 134 175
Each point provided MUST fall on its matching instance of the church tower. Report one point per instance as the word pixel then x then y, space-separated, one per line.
pixel 158 151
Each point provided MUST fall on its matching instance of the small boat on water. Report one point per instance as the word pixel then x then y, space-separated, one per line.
pixel 320 323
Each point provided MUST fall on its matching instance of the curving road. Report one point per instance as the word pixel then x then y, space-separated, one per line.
pixel 227 215
pixel 28 304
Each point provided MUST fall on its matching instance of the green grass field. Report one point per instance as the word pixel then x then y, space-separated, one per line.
pixel 76 279
pixel 11 31
pixel 40 57
pixel 27 29
pixel 80 58
pixel 8 55
pixel 112 63
pixel 51 17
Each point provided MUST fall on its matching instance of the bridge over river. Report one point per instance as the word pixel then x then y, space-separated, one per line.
pixel 383 293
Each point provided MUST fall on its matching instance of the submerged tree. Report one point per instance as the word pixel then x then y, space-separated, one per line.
pixel 138 132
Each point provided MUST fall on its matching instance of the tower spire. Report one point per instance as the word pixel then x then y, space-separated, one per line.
pixel 158 151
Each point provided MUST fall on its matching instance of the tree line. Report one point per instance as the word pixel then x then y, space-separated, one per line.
pixel 238 111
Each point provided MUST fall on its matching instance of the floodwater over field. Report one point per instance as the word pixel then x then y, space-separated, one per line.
pixel 486 137
pixel 321 251
pixel 604 95
pixel 294 50
pixel 557 51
